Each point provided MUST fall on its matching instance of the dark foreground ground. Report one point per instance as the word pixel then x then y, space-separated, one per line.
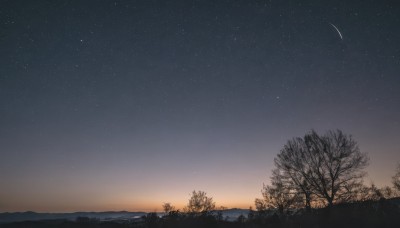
pixel 384 213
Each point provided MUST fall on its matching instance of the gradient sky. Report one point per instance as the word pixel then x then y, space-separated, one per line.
pixel 124 105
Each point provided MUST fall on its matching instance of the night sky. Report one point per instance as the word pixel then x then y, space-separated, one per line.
pixel 124 105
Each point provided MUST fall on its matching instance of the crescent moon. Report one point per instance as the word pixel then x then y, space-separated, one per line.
pixel 340 34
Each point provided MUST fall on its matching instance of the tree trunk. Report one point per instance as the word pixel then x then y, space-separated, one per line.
pixel 308 203
pixel 330 202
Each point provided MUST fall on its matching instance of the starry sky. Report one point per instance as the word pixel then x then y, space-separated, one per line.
pixel 124 105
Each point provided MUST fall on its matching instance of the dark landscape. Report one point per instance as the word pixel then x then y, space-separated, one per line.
pixel 383 213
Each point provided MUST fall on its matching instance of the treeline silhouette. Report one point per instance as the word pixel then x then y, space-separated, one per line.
pixel 317 181
pixel 369 214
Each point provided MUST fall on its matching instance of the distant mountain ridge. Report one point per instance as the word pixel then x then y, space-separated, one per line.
pixel 35 216
pixel 228 214
pixel 6 217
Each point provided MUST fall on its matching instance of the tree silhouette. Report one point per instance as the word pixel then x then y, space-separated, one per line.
pixel 167 207
pixel 280 195
pixel 396 178
pixel 200 203
pixel 328 166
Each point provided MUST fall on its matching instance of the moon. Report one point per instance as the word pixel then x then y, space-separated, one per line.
pixel 340 34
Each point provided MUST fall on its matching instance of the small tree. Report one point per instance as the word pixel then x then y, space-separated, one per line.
pixel 200 203
pixel 168 208
pixel 387 192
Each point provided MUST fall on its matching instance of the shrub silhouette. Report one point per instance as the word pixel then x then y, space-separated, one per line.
pixel 200 203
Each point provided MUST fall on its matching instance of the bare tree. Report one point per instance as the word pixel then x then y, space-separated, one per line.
pixel 168 208
pixel 328 166
pixel 396 178
pixel 261 204
pixel 294 170
pixel 200 203
pixel 373 193
pixel 279 195
pixel 387 192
